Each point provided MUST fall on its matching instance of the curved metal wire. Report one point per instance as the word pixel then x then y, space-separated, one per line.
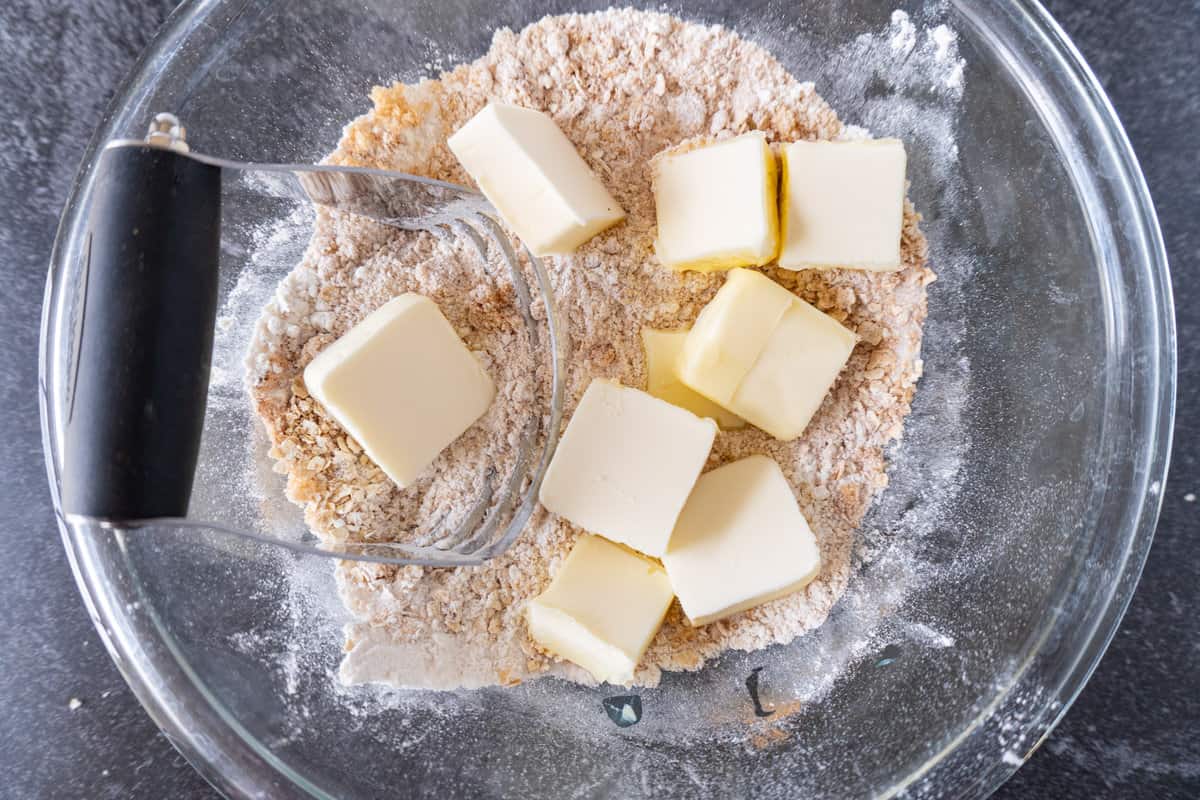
pixel 495 518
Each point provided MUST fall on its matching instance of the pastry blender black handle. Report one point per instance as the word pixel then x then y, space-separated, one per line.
pixel 144 335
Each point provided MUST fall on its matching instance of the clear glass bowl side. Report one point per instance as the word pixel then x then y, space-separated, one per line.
pixel 1067 404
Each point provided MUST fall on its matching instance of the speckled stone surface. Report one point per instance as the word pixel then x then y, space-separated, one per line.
pixel 1135 730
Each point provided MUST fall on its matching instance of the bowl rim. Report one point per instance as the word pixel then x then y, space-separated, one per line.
pixel 235 763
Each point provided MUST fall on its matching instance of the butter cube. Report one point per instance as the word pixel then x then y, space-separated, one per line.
pixel 626 464
pixel 535 178
pixel 663 349
pixel 764 354
pixel 730 333
pixel 403 384
pixel 843 204
pixel 740 542
pixel 716 205
pixel 602 609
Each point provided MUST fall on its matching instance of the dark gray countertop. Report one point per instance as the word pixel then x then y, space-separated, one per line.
pixel 1135 730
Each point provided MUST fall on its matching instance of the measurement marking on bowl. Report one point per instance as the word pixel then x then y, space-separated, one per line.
pixel 623 709
pixel 752 687
pixel 888 656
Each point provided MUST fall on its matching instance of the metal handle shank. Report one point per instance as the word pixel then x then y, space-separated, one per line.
pixel 145 336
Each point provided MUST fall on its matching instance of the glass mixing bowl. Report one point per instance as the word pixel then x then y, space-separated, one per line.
pixel 992 572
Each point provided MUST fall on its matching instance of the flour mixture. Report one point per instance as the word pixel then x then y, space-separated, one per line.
pixel 623 85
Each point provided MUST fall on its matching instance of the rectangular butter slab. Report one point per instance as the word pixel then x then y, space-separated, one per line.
pixel 626 464
pixel 403 384
pixel 663 350
pixel 765 354
pixel 716 205
pixel 529 170
pixel 602 609
pixel 842 204
pixel 741 541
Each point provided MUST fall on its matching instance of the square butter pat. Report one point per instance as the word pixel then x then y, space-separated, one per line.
pixel 602 609
pixel 532 174
pixel 740 542
pixel 663 349
pixel 626 464
pixel 843 204
pixel 716 205
pixel 403 384
pixel 764 354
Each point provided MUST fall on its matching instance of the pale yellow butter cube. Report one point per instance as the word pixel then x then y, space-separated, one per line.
pixel 764 354
pixel 731 332
pixel 626 464
pixel 843 204
pixel 403 384
pixel 716 205
pixel 663 349
pixel 741 541
pixel 602 609
pixel 794 372
pixel 535 178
